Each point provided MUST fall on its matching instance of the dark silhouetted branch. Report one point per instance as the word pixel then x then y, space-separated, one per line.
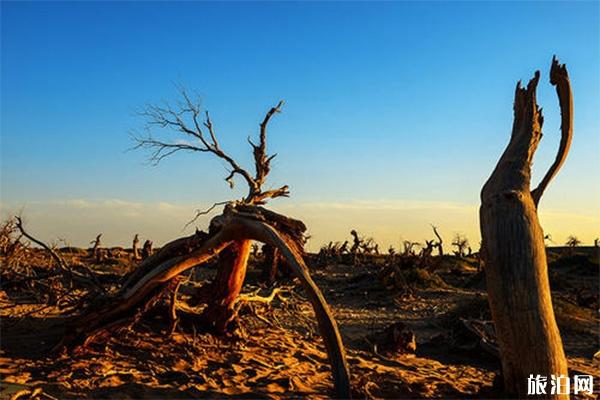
pixel 202 137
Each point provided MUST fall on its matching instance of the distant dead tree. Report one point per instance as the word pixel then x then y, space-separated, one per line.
pixel 461 243
pixel 409 247
pixel 368 246
pixel 391 255
pixel 427 250
pixel 229 238
pixel 344 248
pixel 10 239
pixel 356 246
pixel 440 242
pixel 96 248
pixel 147 249
pixel 270 263
pixel 136 247
pixel 573 241
pixel 513 244
pixel 356 242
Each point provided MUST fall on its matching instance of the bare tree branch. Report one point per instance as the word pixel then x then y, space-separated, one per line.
pixel 261 160
pixel 185 120
pixel 58 259
pixel 88 279
pixel 200 213
pixel 559 77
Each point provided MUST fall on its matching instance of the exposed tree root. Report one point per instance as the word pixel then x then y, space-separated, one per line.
pixel 158 274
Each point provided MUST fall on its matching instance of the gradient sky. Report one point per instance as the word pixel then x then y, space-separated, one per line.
pixel 395 113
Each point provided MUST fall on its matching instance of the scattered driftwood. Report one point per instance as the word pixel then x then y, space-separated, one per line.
pixel 513 243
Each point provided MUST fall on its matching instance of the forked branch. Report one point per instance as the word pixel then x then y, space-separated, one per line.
pixel 201 137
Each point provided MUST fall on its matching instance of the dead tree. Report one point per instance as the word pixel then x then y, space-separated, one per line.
pixel 440 242
pixel 136 247
pixel 270 263
pixel 513 244
pixel 573 241
pixel 8 237
pixel 147 249
pixel 344 248
pixel 391 253
pixel 356 246
pixel 356 242
pixel 368 246
pixel 228 238
pixel 409 248
pixel 427 250
pixel 69 274
pixel 461 243
pixel 95 251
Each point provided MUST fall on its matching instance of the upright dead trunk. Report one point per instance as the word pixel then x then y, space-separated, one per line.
pixel 440 243
pixel 227 286
pixel 513 246
pixel 270 264
pixel 135 246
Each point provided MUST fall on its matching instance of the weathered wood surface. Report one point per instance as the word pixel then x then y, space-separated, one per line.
pixel 513 245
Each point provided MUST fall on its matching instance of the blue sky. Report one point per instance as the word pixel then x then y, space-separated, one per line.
pixel 389 104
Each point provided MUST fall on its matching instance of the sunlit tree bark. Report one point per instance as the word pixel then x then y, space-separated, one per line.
pixel 513 244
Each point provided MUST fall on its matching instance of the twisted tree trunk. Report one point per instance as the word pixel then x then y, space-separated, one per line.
pixel 227 285
pixel 231 232
pixel 241 222
pixel 513 245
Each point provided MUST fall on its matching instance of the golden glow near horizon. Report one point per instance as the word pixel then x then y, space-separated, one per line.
pixel 390 222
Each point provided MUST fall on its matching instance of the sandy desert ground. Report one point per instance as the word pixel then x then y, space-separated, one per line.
pixel 410 332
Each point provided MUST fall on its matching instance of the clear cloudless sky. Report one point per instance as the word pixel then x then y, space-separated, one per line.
pixel 395 113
